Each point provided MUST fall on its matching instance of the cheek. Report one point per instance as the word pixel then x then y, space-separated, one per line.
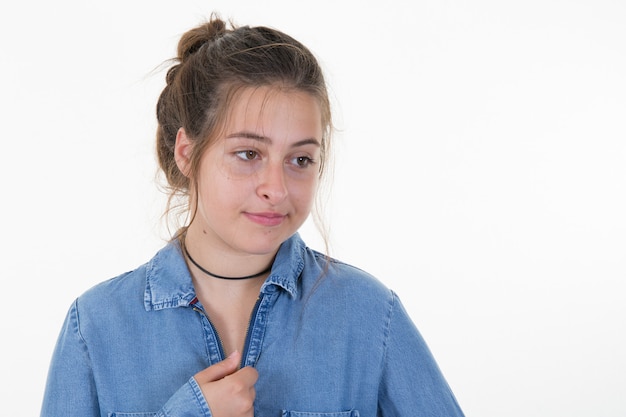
pixel 221 192
pixel 303 193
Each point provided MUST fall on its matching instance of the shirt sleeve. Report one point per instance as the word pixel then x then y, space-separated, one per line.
pixel 412 383
pixel 71 390
pixel 187 402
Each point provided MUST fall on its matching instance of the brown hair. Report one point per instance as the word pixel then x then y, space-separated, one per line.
pixel 214 61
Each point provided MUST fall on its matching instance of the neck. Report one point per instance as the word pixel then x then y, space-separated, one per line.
pixel 208 273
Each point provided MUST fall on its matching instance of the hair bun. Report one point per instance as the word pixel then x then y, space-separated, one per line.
pixel 196 38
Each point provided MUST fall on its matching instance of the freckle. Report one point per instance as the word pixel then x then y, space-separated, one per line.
pixel 204 231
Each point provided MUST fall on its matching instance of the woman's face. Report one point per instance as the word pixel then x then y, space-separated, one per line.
pixel 257 183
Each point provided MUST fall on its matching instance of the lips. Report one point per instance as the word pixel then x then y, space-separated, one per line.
pixel 266 219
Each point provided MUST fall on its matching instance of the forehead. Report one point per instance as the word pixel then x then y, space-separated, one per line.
pixel 274 111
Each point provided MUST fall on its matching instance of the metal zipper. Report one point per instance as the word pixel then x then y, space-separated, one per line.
pixel 246 344
pixel 220 344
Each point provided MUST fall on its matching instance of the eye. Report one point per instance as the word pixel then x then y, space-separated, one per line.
pixel 247 155
pixel 303 161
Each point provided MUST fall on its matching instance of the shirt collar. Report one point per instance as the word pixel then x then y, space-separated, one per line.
pixel 169 284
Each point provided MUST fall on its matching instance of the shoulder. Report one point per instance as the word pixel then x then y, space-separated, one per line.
pixel 344 281
pixel 348 273
pixel 161 282
pixel 125 288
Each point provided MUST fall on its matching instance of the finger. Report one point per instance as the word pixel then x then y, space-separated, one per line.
pixel 220 369
pixel 248 375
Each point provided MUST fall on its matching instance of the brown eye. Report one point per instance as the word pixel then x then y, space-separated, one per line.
pixel 247 155
pixel 302 161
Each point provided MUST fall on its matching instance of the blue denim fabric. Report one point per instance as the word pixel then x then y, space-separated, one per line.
pixel 342 346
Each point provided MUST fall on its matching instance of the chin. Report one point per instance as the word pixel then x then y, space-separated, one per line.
pixel 264 245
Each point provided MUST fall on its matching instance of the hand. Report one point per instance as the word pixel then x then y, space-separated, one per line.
pixel 229 391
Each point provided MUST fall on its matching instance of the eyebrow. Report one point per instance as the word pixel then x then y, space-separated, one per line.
pixel 261 138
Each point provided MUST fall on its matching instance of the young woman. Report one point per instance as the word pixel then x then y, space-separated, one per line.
pixel 236 316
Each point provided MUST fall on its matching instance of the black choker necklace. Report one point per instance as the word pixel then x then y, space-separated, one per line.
pixel 220 276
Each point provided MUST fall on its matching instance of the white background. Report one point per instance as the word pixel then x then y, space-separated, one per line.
pixel 480 173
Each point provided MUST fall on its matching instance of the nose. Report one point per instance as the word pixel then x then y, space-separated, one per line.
pixel 272 187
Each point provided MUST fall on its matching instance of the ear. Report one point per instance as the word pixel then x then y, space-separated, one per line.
pixel 182 151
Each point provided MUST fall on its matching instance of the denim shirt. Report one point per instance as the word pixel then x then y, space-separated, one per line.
pixel 337 346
